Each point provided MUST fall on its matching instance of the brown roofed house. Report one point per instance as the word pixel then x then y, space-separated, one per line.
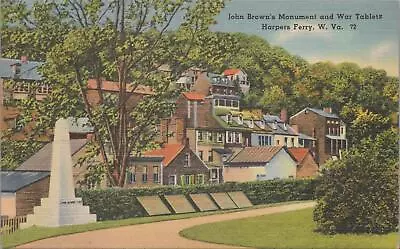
pixel 180 166
pixel 306 164
pixel 260 163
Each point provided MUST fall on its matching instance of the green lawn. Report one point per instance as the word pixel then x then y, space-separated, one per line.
pixel 37 233
pixel 293 229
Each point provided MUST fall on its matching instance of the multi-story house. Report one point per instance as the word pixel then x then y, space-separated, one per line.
pixel 239 76
pixel 18 80
pixel 326 127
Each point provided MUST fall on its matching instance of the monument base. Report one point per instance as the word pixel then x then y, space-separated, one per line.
pixel 59 213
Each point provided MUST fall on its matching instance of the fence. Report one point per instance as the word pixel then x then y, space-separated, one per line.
pixel 10 225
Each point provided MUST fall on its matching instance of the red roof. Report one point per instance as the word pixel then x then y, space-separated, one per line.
pixel 114 87
pixel 231 71
pixel 169 152
pixel 194 96
pixel 299 153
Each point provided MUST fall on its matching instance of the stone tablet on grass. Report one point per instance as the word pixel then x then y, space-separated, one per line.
pixel 179 204
pixel 203 202
pixel 153 205
pixel 223 200
pixel 240 199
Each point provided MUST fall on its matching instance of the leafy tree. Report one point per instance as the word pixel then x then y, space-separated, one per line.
pixel 358 194
pixel 122 41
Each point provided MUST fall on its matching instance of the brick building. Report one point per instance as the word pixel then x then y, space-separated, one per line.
pixel 326 127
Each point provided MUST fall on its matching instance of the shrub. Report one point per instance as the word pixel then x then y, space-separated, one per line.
pixel 358 194
pixel 115 203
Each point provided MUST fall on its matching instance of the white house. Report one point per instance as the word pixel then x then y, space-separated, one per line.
pixel 260 163
pixel 240 76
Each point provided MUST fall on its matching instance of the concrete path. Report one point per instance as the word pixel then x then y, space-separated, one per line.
pixel 163 234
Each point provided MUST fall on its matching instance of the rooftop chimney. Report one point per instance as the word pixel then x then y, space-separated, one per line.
pixel 283 116
pixel 24 59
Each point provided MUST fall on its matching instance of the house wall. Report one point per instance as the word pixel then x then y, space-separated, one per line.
pixel 281 166
pixel 8 204
pixel 307 168
pixel 242 174
pixel 138 169
pixel 313 125
pixel 29 197
pixel 176 167
pixel 281 139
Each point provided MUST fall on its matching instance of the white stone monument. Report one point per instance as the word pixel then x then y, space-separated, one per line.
pixel 61 207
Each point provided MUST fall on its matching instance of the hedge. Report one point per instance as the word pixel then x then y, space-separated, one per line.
pixel 117 203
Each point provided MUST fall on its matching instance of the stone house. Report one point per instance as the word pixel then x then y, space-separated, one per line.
pixel 21 191
pixel 260 163
pixel 181 166
pixel 326 127
pixel 306 164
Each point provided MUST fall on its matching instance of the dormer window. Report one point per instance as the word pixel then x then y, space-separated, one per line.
pixel 285 126
pixel 229 118
pixel 240 119
pixel 275 125
pixel 251 124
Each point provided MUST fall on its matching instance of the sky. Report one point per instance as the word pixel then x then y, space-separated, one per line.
pixel 370 42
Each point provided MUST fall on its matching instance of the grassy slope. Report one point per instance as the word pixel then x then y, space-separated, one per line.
pixel 285 230
pixel 37 233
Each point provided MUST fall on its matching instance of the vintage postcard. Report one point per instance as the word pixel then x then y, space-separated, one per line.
pixel 199 124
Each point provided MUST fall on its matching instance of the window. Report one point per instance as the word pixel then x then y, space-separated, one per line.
pixel 237 137
pixel 228 103
pixel 286 140
pixel 186 179
pixel 201 154
pixel 292 141
pixel 210 136
pixel 259 140
pixel 240 119
pixel 210 156
pixel 252 123
pixel 270 140
pixel 200 135
pixel 186 162
pixel 200 179
pixel 214 173
pixel 172 180
pixel 155 174
pixel 144 175
pixel 277 142
pixel 131 177
pixel 341 130
pixel 235 103
pixel 220 137
pixel 229 137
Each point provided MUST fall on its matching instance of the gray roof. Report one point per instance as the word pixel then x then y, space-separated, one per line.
pixel 306 137
pixel 146 159
pixel 280 129
pixel 80 125
pixel 12 181
pixel 319 112
pixel 324 114
pixel 222 151
pixel 41 161
pixel 28 69
pixel 272 118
